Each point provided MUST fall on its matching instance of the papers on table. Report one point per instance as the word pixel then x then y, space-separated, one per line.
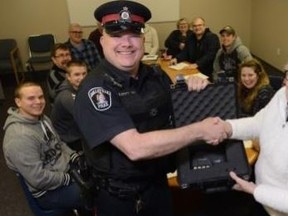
pixel 171 175
pixel 179 66
pixel 201 75
pixel 149 57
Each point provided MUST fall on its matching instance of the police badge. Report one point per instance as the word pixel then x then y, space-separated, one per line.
pixel 100 98
pixel 125 15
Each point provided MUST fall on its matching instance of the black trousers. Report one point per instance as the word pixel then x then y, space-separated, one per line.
pixel 156 201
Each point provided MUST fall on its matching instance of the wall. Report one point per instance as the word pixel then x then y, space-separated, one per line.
pixel 269 32
pixel 80 11
pixel 20 18
pixel 217 14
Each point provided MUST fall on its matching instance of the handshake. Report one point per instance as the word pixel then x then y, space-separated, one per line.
pixel 214 130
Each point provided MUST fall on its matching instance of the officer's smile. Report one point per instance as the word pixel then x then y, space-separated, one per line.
pixel 125 52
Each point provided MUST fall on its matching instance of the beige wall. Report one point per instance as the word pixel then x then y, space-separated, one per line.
pixel 263 31
pixel 19 19
pixel 269 32
pixel 219 13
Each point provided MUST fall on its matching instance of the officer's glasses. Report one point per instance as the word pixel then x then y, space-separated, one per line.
pixel 76 32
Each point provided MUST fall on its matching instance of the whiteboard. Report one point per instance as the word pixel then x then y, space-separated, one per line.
pixel 82 11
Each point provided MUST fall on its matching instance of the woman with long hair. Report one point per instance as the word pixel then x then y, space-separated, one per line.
pixel 254 89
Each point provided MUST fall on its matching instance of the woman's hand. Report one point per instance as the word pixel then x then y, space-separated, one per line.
pixel 242 185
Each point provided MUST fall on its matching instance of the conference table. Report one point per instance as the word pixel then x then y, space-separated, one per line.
pixel 165 65
pixel 251 153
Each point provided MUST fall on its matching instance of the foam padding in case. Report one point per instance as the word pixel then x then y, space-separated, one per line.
pixel 201 165
pixel 214 100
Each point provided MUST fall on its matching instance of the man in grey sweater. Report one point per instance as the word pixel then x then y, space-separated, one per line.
pixel 32 148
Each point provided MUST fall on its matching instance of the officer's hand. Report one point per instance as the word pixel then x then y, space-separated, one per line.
pixel 213 130
pixel 195 83
pixel 242 185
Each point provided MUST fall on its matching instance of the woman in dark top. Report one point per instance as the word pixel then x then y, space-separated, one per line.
pixel 254 89
pixel 176 41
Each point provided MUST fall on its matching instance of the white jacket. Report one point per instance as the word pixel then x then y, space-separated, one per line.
pixel 271 170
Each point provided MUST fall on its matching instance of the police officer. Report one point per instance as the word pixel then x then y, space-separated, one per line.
pixel 120 108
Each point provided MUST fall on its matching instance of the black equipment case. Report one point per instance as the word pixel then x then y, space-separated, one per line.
pixel 200 165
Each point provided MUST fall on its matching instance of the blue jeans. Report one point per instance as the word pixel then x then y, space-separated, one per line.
pixel 66 197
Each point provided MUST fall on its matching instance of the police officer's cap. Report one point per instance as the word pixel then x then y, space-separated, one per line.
pixel 119 16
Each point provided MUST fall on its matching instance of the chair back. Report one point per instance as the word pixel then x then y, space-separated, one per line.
pixel 40 50
pixel 276 81
pixel 40 43
pixel 33 204
pixel 10 60
pixel 6 46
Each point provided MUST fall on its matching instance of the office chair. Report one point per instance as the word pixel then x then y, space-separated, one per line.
pixel 276 81
pixel 34 206
pixel 10 61
pixel 39 50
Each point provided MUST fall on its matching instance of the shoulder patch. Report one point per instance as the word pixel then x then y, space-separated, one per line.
pixel 100 98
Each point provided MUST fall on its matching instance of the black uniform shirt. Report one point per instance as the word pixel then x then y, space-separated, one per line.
pixel 99 111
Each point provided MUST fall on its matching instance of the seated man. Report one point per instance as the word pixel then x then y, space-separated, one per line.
pixel 151 40
pixel 231 54
pixel 32 148
pixel 60 56
pixel 62 111
pixel 201 48
pixel 81 48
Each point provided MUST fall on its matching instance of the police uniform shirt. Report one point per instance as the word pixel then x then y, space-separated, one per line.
pixel 99 112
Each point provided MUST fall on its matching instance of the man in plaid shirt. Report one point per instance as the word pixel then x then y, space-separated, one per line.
pixel 82 49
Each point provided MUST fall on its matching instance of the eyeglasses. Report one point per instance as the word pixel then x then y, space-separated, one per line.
pixel 62 55
pixel 76 32
pixel 199 25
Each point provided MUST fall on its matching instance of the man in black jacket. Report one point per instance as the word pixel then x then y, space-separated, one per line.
pixel 201 48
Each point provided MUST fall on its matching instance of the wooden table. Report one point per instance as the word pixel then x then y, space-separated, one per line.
pixel 252 155
pixel 164 64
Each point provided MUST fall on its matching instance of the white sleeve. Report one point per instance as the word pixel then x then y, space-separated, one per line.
pixel 246 128
pixel 251 127
pixel 155 42
pixel 273 197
